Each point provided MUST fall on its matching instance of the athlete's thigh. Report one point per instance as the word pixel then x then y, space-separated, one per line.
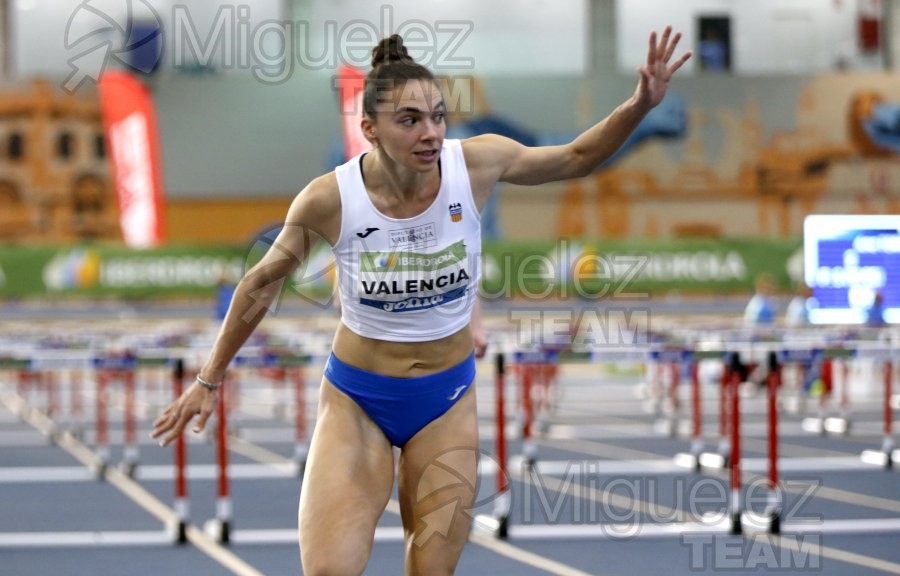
pixel 347 483
pixel 437 482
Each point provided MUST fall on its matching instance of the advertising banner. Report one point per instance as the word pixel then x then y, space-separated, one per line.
pixel 350 83
pixel 635 268
pixel 129 120
pixel 116 271
pixel 562 269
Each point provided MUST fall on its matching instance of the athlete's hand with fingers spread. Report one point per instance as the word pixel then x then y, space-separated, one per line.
pixel 655 75
pixel 195 400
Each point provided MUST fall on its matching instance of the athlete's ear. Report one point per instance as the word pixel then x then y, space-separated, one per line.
pixel 368 130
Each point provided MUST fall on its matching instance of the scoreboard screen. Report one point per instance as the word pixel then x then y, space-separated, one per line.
pixel 852 264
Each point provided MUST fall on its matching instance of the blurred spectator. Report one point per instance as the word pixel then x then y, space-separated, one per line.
pixel 713 51
pixel 797 313
pixel 875 313
pixel 224 293
pixel 760 309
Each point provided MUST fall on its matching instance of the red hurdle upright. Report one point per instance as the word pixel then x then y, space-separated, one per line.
pixel 498 521
pixel 223 501
pixel 697 410
pixel 735 456
pixel 181 501
pixel 693 458
pixel 886 455
pixel 525 372
pixel 773 384
pixel 888 443
pixel 728 373
pixel 102 439
pixel 721 457
pixel 131 453
pixel 76 404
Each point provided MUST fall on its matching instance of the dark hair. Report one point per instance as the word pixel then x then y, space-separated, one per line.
pixel 391 66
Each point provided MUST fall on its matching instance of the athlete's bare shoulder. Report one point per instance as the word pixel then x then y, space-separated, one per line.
pixel 318 207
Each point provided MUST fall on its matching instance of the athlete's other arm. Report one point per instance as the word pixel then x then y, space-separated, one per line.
pixel 493 158
pixel 314 212
pixel 479 336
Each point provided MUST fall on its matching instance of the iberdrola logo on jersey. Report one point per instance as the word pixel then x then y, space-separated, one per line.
pixel 406 281
pixel 385 261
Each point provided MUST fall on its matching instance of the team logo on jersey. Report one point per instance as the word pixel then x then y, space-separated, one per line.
pixel 415 238
pixel 456 212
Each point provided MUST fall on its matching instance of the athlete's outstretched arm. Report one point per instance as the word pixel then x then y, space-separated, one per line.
pixel 496 158
pixel 253 297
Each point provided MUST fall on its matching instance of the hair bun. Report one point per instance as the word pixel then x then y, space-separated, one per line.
pixel 390 50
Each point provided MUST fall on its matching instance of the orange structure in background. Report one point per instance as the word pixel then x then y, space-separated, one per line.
pixel 55 182
pixel 54 174
pixel 767 186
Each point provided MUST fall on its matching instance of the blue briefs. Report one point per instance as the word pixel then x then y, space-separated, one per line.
pixel 402 406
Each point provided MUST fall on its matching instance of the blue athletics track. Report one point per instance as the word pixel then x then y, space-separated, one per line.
pixel 687 451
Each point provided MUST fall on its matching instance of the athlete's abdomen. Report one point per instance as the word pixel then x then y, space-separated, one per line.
pixel 402 359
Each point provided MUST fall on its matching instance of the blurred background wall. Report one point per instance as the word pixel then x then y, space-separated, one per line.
pixel 755 140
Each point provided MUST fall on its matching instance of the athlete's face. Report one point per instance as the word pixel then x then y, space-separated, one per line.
pixel 409 124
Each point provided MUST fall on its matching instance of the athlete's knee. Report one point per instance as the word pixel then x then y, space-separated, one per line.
pixel 435 558
pixel 332 563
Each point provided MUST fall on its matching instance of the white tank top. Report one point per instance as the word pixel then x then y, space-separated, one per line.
pixel 409 279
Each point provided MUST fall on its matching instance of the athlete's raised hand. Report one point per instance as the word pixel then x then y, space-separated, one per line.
pixel 657 72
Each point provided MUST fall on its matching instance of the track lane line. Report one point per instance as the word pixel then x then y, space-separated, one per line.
pixel 505 549
pixel 130 488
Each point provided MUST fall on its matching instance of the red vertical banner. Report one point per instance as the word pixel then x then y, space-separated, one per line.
pixel 129 120
pixel 869 25
pixel 350 84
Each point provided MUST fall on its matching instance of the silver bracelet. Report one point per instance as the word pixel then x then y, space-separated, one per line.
pixel 208 385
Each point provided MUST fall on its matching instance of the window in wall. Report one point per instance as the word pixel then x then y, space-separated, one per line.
pixel 99 146
pixel 15 147
pixel 64 145
pixel 714 43
pixel 759 37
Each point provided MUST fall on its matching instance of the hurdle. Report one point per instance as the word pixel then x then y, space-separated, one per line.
pixel 220 527
pixel 501 515
pixel 111 367
pixel 181 504
pixel 734 459
pixel 770 519
pixel 887 455
pixel 830 365
pixel 720 459
pixel 738 519
pixel 175 524
pixel 691 459
pixel 534 379
pixel 290 367
pixel 497 522
pixel 773 385
pixel 668 361
pixel 696 458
